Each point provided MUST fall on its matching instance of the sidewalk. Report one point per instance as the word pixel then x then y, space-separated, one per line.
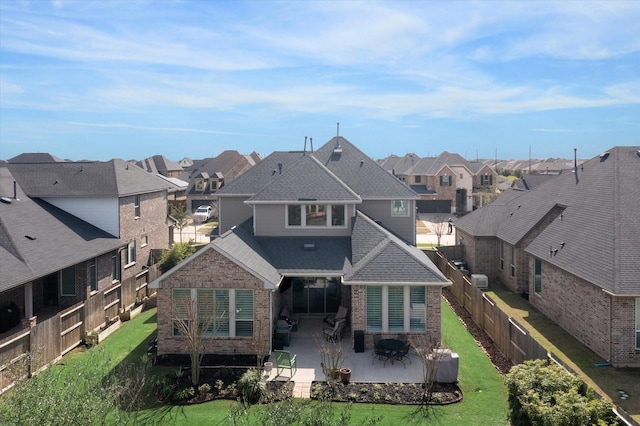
pixel 431 221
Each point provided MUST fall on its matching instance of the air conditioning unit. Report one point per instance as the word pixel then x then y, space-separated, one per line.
pixel 480 281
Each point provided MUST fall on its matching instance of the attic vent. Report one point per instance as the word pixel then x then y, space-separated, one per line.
pixel 5 200
pixel 29 237
pixel 309 247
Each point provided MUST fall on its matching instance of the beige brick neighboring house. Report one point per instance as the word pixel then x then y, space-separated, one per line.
pixel 309 232
pixel 571 244
pixel 447 183
pixel 115 196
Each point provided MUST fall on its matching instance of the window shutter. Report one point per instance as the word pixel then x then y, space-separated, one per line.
pixel 374 308
pixel 244 313
pixel 396 308
pixel 418 309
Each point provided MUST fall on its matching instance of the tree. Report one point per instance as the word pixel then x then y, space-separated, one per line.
pixel 440 225
pixel 431 354
pixel 181 217
pixel 175 255
pixel 197 317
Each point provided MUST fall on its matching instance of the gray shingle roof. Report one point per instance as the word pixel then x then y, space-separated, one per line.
pixel 381 257
pixel 600 223
pixel 307 179
pixel 37 239
pixel 114 178
pixel 35 157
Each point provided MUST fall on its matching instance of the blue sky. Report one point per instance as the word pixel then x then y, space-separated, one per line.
pixel 105 79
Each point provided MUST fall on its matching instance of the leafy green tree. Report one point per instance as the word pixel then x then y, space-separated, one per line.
pixel 548 395
pixel 175 255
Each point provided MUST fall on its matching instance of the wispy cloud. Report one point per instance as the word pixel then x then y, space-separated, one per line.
pixel 160 129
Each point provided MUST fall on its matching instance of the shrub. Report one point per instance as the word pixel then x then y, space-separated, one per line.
pixel 175 255
pixel 541 394
pixel 251 387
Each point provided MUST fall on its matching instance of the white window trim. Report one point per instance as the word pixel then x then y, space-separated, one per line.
pixel 142 241
pixel 406 212
pixel 303 217
pixel 130 264
pixel 94 275
pixel 406 300
pixel 637 336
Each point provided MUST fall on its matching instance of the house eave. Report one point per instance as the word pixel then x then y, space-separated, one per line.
pixel 400 283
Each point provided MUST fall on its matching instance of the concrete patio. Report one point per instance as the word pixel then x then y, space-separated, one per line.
pixel 304 344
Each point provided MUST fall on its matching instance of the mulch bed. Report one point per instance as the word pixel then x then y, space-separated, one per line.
pixel 387 393
pixel 500 362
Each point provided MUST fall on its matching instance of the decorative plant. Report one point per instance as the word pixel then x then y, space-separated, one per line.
pixel 331 358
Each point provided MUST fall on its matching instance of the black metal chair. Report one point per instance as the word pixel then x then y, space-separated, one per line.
pixel 380 352
pixel 401 354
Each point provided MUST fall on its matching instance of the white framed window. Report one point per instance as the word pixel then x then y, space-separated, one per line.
pixel 400 208
pixel 396 308
pixel 92 272
pixel 212 307
pixel 316 215
pixel 68 281
pixel 513 261
pixel 130 254
pixel 144 241
pixel 115 266
pixel 136 205
pixel 537 276
pixel 638 323
pixel 445 180
pixel 417 179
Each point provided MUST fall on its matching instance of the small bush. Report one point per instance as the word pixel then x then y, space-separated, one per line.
pixel 251 387
pixel 541 394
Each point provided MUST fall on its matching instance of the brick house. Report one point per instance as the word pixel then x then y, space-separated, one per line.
pixel 447 183
pixel 115 196
pixel 571 245
pixel 309 232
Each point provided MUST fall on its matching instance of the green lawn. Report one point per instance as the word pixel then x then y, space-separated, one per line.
pixel 484 403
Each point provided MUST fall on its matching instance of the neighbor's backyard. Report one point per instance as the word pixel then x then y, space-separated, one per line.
pixel 484 402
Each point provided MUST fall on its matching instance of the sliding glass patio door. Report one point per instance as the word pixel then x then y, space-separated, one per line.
pixel 312 295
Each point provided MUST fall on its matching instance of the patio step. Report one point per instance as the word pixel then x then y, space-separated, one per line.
pixel 302 390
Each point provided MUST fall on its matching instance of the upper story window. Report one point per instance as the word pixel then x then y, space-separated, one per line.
pixel 200 185
pixel 136 205
pixel 445 180
pixel 115 266
pixel 417 179
pixel 130 254
pixel 144 241
pixel 400 208
pixel 486 179
pixel 637 322
pixel 316 215
pixel 214 184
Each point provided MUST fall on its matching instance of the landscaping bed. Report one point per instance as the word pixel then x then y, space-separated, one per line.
pixel 387 393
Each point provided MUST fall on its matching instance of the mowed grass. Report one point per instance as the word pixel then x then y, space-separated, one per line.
pixel 605 380
pixel 484 403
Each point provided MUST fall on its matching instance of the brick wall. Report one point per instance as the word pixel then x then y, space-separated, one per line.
pixel 623 332
pixel 210 269
pixel 152 223
pixel 359 312
pixel 480 254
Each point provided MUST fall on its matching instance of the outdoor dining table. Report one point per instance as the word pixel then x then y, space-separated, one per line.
pixel 390 347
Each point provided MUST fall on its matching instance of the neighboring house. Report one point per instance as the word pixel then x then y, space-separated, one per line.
pixel 115 196
pixel 50 260
pixel 447 183
pixel 207 176
pixel 307 231
pixel 159 164
pixel 571 244
pixel 530 181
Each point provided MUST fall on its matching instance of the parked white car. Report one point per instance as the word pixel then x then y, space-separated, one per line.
pixel 202 214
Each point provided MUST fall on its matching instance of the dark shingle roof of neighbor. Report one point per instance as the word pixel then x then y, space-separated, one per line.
pixel 532 181
pixel 307 179
pixel 599 225
pixel 35 157
pixel 37 239
pixel 114 178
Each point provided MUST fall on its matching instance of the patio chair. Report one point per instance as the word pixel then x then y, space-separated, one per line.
pixel 334 334
pixel 379 352
pixel 402 354
pixel 340 315
pixel 284 360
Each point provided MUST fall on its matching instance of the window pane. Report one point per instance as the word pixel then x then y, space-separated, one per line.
pixel 396 308
pixel 244 304
pixel 537 276
pixel 400 208
pixel 316 215
pixel 293 215
pixel 418 309
pixel 93 275
pixel 637 322
pixel 68 277
pixel 221 322
pixel 337 215
pixel 244 328
pixel 374 308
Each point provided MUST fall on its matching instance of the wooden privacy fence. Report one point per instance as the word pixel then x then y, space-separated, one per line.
pixel 44 342
pixel 511 338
